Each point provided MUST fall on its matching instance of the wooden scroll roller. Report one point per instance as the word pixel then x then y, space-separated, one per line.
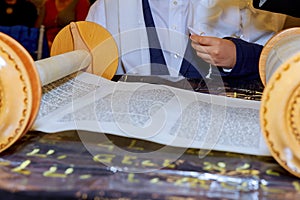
pixel 280 105
pixel 79 46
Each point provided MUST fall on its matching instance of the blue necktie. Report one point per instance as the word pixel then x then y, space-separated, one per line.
pixel 158 63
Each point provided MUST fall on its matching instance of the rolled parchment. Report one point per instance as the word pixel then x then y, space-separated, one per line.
pixel 277 50
pixel 57 67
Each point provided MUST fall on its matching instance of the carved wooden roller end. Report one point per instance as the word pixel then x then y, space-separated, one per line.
pixel 280 104
pixel 20 91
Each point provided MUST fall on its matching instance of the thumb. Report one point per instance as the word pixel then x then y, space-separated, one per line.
pixel 202 40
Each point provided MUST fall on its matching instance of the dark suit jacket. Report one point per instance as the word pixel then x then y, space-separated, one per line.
pixel 289 7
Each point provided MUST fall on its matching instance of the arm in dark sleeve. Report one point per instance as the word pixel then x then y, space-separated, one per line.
pixel 247 55
pixel 289 7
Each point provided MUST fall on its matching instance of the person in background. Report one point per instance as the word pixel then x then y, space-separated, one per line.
pixel 230 19
pixel 58 13
pixel 17 12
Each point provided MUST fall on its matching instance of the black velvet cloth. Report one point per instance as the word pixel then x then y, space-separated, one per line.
pixel 289 7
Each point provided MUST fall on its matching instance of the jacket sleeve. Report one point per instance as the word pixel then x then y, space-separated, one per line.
pixel 289 7
pixel 247 62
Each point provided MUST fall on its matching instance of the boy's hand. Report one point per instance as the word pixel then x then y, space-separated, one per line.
pixel 216 51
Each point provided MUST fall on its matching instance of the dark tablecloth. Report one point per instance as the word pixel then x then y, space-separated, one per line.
pixel 61 166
